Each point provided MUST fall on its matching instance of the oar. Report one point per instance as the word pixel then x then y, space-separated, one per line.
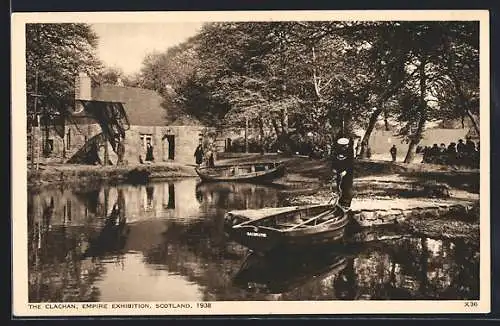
pixel 312 218
pixel 328 211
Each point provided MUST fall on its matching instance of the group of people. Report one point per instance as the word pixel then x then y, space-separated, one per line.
pixel 461 153
pixel 204 155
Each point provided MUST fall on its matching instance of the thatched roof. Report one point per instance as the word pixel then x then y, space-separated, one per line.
pixel 143 106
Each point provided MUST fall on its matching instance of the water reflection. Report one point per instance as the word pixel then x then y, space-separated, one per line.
pixel 281 272
pixel 113 235
pixel 238 195
pixel 165 241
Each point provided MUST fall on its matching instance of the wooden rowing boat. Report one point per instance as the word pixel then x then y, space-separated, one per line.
pixel 280 272
pixel 247 172
pixel 302 226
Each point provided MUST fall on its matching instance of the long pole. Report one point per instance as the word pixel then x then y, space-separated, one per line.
pixel 32 140
pixel 246 134
pixel 38 120
pixel 106 154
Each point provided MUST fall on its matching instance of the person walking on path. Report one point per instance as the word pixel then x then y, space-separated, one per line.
pixel 393 152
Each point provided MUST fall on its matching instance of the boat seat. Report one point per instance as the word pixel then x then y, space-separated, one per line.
pixel 287 225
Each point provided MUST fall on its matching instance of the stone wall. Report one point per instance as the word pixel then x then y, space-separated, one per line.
pixel 64 148
pixel 185 139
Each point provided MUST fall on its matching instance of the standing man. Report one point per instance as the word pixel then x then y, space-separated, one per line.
pixel 343 165
pixel 393 152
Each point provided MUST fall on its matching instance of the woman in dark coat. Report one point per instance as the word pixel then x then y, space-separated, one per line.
pixel 149 152
pixel 198 154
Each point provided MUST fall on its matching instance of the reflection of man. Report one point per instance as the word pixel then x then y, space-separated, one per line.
pixel 120 150
pixel 345 285
pixel 343 165
pixel 48 212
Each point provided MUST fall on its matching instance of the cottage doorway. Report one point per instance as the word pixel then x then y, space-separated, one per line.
pixel 168 147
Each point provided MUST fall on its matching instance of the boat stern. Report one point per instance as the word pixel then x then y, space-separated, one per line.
pixel 255 238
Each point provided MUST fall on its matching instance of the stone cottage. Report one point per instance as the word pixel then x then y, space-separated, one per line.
pixel 173 138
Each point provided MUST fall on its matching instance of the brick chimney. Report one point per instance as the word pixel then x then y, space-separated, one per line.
pixel 83 87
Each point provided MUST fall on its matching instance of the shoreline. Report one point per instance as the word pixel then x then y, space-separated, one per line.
pixel 307 182
pixel 81 175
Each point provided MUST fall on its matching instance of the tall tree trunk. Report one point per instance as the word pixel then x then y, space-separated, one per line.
pixel 286 132
pixel 283 136
pixel 474 122
pixel 284 120
pixel 415 139
pixel 276 128
pixel 463 104
pixel 386 122
pixel 261 134
pixel 461 95
pixel 378 105
pixel 246 134
pixel 348 124
pixel 371 125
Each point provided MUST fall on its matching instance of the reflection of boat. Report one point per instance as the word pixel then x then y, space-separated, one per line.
pixel 237 187
pixel 238 195
pixel 247 172
pixel 267 229
pixel 281 272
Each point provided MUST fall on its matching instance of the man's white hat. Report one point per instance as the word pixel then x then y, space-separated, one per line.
pixel 343 141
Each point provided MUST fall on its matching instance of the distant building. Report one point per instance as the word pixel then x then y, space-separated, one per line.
pixel 173 137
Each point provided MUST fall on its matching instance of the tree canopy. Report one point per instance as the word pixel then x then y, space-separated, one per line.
pixel 55 54
pixel 326 78
pixel 288 79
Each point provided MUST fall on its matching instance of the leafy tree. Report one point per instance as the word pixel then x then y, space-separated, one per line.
pixel 55 53
pixel 460 88
pixel 291 79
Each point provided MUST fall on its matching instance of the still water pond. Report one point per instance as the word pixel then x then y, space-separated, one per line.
pixel 173 248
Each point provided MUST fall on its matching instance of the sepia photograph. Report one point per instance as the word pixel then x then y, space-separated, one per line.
pixel 250 163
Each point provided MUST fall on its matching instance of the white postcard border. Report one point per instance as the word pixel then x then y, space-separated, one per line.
pixel 22 308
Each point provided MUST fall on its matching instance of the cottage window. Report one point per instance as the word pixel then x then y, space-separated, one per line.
pixel 145 139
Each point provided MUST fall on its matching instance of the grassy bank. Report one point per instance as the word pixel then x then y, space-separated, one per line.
pixel 306 173
pixel 307 181
pixel 302 173
pixel 90 174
